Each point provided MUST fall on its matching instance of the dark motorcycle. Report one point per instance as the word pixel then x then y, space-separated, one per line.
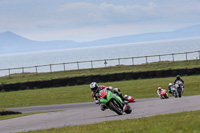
pixel 179 88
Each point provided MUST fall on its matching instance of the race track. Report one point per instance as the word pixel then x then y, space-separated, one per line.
pixel 85 113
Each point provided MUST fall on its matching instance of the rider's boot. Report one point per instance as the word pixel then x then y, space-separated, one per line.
pixel 125 99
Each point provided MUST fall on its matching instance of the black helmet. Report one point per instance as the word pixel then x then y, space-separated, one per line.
pixel 94 86
pixel 178 77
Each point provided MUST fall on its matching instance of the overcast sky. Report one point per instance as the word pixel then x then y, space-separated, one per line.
pixel 86 20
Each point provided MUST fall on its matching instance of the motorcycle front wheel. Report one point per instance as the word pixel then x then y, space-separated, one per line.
pixel 115 108
pixel 179 92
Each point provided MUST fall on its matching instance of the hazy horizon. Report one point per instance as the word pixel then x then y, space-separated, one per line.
pixel 92 20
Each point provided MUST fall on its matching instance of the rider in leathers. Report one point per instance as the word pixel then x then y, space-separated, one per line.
pixel 159 92
pixel 95 93
pixel 170 87
pixel 178 78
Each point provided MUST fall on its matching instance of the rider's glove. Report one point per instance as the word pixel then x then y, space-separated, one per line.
pixel 110 87
pixel 97 102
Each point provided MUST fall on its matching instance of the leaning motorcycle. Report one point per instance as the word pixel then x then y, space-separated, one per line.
pixel 113 102
pixel 179 88
pixel 174 92
pixel 163 94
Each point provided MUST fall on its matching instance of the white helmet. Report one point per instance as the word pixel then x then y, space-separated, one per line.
pixel 94 86
pixel 170 83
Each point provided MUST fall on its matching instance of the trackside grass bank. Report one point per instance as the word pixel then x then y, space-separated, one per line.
pixel 184 122
pixel 141 88
pixel 4 111
pixel 5 117
pixel 96 71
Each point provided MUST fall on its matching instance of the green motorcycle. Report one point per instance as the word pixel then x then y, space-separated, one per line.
pixel 113 102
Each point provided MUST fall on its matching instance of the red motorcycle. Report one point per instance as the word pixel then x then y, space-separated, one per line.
pixel 164 94
pixel 130 98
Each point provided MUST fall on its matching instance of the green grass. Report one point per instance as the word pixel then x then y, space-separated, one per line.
pixel 108 70
pixel 170 123
pixel 4 111
pixel 5 117
pixel 141 88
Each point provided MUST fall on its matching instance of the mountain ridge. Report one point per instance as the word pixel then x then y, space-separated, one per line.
pixel 12 43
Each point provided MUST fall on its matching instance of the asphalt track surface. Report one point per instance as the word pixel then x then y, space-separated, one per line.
pixel 85 113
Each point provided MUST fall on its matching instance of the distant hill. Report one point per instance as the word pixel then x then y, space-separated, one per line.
pixel 12 43
pixel 192 31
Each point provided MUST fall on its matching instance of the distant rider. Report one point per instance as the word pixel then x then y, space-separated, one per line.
pixel 170 87
pixel 95 93
pixel 159 92
pixel 178 78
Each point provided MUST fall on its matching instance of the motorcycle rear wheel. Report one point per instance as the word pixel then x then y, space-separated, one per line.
pixel 129 110
pixel 175 94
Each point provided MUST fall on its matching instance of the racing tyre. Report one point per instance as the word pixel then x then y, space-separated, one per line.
pixel 116 108
pixel 179 92
pixel 129 110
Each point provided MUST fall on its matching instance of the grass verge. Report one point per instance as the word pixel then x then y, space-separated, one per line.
pixel 4 111
pixel 141 88
pixel 176 123
pixel 108 70
pixel 5 117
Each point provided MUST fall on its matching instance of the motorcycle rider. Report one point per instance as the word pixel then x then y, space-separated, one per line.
pixel 170 87
pixel 159 91
pixel 95 94
pixel 178 78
